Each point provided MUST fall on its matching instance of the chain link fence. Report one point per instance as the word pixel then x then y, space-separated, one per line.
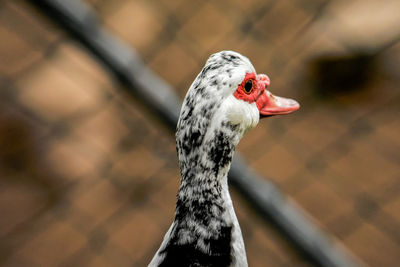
pixel 89 177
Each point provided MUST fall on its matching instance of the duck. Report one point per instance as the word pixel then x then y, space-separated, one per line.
pixel 226 100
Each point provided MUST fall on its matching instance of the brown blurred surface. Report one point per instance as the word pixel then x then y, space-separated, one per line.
pixel 88 178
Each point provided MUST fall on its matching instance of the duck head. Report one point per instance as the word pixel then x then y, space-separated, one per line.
pixel 228 92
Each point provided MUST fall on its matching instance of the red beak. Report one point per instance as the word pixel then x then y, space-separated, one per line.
pixel 269 105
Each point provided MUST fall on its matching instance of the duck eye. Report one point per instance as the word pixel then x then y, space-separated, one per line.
pixel 248 86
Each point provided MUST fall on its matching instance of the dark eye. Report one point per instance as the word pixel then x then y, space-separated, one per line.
pixel 248 86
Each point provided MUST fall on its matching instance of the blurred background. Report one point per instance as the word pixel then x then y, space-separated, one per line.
pixel 88 176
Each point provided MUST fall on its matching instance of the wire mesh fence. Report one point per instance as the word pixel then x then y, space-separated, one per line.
pixel 89 178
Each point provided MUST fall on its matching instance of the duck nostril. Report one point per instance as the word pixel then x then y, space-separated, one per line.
pixel 260 92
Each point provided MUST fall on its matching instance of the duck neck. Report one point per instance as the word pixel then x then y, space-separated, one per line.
pixel 203 195
pixel 204 218
pixel 205 230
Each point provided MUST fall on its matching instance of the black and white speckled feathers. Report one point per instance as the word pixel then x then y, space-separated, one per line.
pixel 205 231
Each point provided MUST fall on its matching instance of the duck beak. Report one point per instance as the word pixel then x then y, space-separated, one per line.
pixel 269 104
